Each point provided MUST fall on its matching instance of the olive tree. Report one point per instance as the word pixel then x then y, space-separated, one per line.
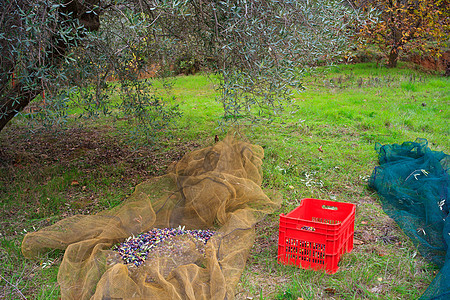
pixel 71 49
pixel 35 39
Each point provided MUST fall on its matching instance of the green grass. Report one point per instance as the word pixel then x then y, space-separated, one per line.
pixel 320 147
pixel 345 123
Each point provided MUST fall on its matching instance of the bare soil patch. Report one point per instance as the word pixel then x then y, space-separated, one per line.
pixel 101 161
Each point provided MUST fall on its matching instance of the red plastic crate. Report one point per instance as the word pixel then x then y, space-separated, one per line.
pixel 316 234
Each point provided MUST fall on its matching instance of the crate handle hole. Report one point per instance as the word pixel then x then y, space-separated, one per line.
pixel 307 228
pixel 329 207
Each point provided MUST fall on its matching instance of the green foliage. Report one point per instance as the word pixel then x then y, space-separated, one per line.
pixel 35 39
pixel 266 47
pixel 258 49
pixel 109 76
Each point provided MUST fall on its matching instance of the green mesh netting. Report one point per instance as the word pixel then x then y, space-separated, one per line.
pixel 413 184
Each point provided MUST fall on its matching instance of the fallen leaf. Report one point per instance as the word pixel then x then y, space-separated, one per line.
pixel 357 242
pixel 364 222
pixel 376 289
pixel 291 187
pixel 381 252
pixel 74 182
pixel 330 290
pixel 320 149
pixel 380 279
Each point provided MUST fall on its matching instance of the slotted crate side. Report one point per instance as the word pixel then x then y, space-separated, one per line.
pixel 332 238
pixel 312 244
pixel 304 254
pixel 309 256
pixel 311 250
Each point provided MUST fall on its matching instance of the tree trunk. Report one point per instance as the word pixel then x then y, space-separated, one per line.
pixel 15 101
pixel 393 57
pixel 447 68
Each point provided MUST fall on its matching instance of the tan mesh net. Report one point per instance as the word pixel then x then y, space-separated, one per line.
pixel 213 188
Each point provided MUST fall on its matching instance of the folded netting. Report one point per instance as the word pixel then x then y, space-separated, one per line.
pixel 414 185
pixel 216 188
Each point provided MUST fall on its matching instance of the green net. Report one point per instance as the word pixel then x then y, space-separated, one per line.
pixel 215 188
pixel 413 184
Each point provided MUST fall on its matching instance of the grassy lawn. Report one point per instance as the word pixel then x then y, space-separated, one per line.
pixel 321 147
